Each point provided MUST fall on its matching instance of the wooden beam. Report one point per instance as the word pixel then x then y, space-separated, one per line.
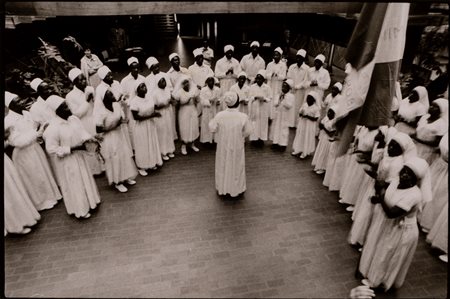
pixel 181 7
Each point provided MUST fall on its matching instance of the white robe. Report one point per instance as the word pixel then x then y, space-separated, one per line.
pixel 230 127
pixel 244 97
pixel 305 135
pixel 40 112
pixel 31 162
pixel 259 111
pixel 251 66
pixel 19 211
pixel 299 76
pixel 276 73
pixel 187 114
pixel 222 67
pixel 78 186
pixel 152 81
pixel 165 123
pixel 209 100
pixel 322 76
pixel 279 129
pixel 199 74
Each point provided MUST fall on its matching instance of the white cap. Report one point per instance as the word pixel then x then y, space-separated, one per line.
pixel 278 49
pixel 103 71
pixel 132 60
pixel 35 83
pixel 151 61
pixel 9 97
pixel 302 53
pixel 228 48
pixel 289 82
pixel 262 73
pixel 320 57
pixel 254 43
pixel 338 85
pixel 74 73
pixel 54 102
pixel 197 52
pixel 173 55
pixel 230 98
pixel 242 74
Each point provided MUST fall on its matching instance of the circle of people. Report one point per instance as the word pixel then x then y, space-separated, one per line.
pixel 384 178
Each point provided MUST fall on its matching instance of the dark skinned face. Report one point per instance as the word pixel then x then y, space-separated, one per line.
pixel 310 100
pixel 379 137
pixel 285 87
pixel 210 82
pixel 334 91
pixel 434 111
pixel 229 54
pixel 162 83
pixel 259 80
pixel 141 90
pixel 109 99
pixel 80 82
pixel 413 97
pixel 407 177
pixel 299 59
pixel 109 79
pixel 330 114
pixel 241 80
pixel 44 90
pixel 276 57
pixel 19 104
pixel 63 111
pixel 317 64
pixel 155 68
pixel 255 50
pixel 185 85
pixel 175 62
pixel 199 60
pixel 394 149
pixel 134 69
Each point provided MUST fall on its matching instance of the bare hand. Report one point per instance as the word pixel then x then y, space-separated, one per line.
pixel 362 292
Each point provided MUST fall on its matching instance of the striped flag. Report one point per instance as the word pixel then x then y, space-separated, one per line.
pixel 374 57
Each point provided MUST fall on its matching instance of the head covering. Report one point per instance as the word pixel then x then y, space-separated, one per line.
pixel 228 48
pixel 315 95
pixel 230 98
pixel 278 49
pixel 151 61
pixel 420 168
pixel 54 102
pixel 289 82
pixel 423 98
pixel 242 74
pixel 216 80
pixel 262 73
pixel 35 83
pixel 443 106
pixel 132 60
pixel 9 97
pixel 74 73
pixel 197 52
pixel 173 55
pixel 320 57
pixel 254 43
pixel 136 85
pixel 103 71
pixel 406 143
pixel 338 85
pixel 302 53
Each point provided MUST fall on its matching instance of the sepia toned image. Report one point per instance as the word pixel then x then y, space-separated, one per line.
pixel 178 149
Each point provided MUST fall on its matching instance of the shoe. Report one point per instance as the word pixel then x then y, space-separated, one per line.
pixel 121 188
pixel 183 150
pixel 165 158
pixel 25 231
pixel 142 172
pixel 303 156
pixel 320 171
pixel 350 209
pixel 154 168
pixel 341 201
pixel 131 182
pixel 194 148
pixel 171 155
pixel 87 216
pixel 444 258
pixel 295 153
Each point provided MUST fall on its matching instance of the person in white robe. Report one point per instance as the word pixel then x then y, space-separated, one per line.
pixel 208 53
pixel 411 109
pixel 155 75
pixel 19 212
pixel 276 72
pixel 283 103
pixel 119 164
pixel 187 94
pixel 334 97
pixel 162 98
pixel 108 83
pixel 39 111
pixel 260 100
pixel 318 77
pixel 227 69
pixel 89 65
pixel 230 127
pixel 305 141
pixel 243 91
pixel 199 71
pixel 298 72
pixel 66 139
pixel 209 100
pixel 252 63
pixel 28 157
pixel 147 151
pixel 81 103
pixel 327 128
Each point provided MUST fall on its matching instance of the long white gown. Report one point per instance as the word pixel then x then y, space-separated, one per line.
pixel 208 100
pixel 165 123
pixel 222 66
pixel 276 73
pixel 244 97
pixel 299 76
pixel 230 127
pixel 305 135
pixel 279 129
pixel 260 110
pixel 187 114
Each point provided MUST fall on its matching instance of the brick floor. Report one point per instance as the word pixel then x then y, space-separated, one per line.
pixel 172 236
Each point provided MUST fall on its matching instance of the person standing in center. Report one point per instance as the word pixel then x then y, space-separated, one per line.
pixel 260 100
pixel 279 129
pixel 298 72
pixel 227 69
pixel 243 91
pixel 318 77
pixel 276 72
pixel 230 127
pixel 209 99
pixel 252 63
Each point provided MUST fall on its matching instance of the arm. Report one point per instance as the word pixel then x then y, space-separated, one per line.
pixel 324 81
pixel 22 139
pixel 52 144
pixel 219 71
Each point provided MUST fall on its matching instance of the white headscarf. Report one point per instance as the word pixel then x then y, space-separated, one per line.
pixel 406 143
pixel 420 168
pixel 230 98
pixel 54 101
pixel 443 106
pixel 9 97
pixel 74 73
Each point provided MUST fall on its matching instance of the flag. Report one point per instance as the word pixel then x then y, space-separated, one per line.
pixel 373 58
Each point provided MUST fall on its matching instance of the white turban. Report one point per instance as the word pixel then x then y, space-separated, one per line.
pixel 242 74
pixel 289 82
pixel 173 55
pixel 278 49
pixel 74 73
pixel 230 98
pixel 103 71
pixel 262 73
pixel 254 43
pixel 151 61
pixel 338 85
pixel 228 48
pixel 320 57
pixel 9 97
pixel 197 52
pixel 132 60
pixel 35 83
pixel 420 168
pixel 54 102
pixel 443 107
pixel 302 53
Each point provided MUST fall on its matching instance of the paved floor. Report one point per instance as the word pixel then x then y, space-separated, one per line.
pixel 172 236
